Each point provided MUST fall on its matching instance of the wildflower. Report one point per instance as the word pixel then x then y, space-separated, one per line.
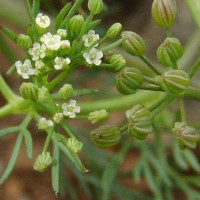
pixel 37 52
pixel 52 42
pixel 24 69
pixel 64 44
pixel 42 21
pixel 61 62
pixel 70 109
pixel 44 123
pixel 90 38
pixel 58 117
pixel 74 145
pixel 62 33
pixel 93 56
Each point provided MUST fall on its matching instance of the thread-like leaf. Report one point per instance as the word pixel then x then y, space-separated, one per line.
pixel 179 159
pixel 28 142
pixel 13 159
pixel 8 131
pixel 55 168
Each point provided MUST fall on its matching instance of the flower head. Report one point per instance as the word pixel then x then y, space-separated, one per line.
pixel 44 123
pixel 42 21
pixel 70 109
pixel 90 38
pixel 61 62
pixel 52 42
pixel 37 52
pixel 93 56
pixel 62 33
pixel 25 69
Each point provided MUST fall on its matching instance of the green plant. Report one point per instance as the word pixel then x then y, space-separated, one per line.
pixel 48 95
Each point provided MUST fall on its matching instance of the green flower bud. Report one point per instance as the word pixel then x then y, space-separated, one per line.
pixel 42 162
pixel 170 51
pixel 66 91
pixel 175 81
pixel 43 95
pixel 24 41
pixel 139 120
pixel 98 116
pixel 133 44
pixel 106 136
pixel 164 12
pixel 76 23
pixel 128 80
pixel 28 91
pixel 95 6
pixel 114 30
pixel 186 136
pixel 74 145
pixel 117 62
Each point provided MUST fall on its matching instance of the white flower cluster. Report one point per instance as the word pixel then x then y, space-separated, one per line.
pixel 50 46
pixel 93 56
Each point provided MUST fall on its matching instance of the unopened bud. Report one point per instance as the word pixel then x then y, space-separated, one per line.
pixel 114 30
pixel 170 51
pixel 44 123
pixel 117 63
pixel 106 136
pixel 98 116
pixel 133 44
pixel 42 162
pixel 28 91
pixel 186 136
pixel 66 91
pixel 76 23
pixel 128 80
pixel 175 81
pixel 95 6
pixel 164 12
pixel 24 41
pixel 43 94
pixel 74 145
pixel 139 122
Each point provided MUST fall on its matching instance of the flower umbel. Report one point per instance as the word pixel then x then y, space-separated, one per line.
pixel 90 38
pixel 25 69
pixel 42 21
pixel 93 56
pixel 70 109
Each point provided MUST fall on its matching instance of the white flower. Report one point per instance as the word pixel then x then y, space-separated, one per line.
pixel 58 117
pixel 70 109
pixel 62 33
pixel 65 44
pixel 90 38
pixel 93 56
pixel 25 69
pixel 52 42
pixel 44 123
pixel 42 21
pixel 61 62
pixel 37 52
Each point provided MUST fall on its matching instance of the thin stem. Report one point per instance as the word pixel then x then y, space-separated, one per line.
pixel 149 63
pixel 113 45
pixel 152 88
pixel 6 91
pixel 182 109
pixel 67 129
pixel 151 80
pixel 194 68
pixel 48 140
pixel 162 106
pixel 157 104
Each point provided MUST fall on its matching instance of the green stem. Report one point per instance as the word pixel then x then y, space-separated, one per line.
pixel 152 88
pixel 67 129
pixel 48 140
pixel 162 106
pixel 149 63
pixel 151 80
pixel 195 68
pixel 157 104
pixel 193 93
pixel 113 45
pixel 182 109
pixel 6 91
